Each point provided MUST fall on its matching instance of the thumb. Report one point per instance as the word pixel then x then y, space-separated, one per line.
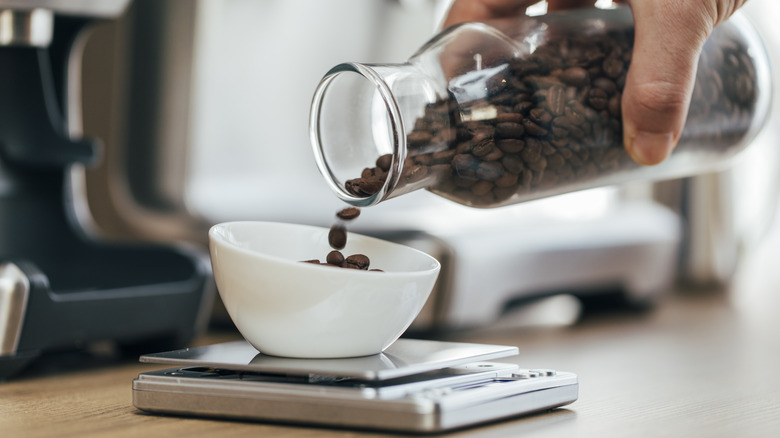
pixel 669 35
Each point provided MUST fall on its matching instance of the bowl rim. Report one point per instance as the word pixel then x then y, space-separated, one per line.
pixel 216 239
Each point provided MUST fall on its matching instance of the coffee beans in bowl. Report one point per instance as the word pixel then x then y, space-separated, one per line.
pixel 287 308
pixel 337 239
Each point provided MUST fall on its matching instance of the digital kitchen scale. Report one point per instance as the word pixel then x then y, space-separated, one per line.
pixel 413 386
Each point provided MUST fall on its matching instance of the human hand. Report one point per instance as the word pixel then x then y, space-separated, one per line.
pixel 669 35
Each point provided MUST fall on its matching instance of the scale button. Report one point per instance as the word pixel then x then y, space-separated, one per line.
pixel 526 374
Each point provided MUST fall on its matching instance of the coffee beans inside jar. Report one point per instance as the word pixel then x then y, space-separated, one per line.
pixel 553 117
pixel 337 239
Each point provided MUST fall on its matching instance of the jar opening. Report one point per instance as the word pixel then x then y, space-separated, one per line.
pixel 352 109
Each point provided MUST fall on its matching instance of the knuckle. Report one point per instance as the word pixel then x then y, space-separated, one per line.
pixel 661 97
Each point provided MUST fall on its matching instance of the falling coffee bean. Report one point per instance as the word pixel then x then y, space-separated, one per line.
pixel 349 213
pixel 337 237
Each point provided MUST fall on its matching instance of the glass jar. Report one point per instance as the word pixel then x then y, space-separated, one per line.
pixel 496 113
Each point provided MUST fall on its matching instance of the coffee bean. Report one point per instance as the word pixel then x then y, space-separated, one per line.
pixel 508 179
pixel 613 67
pixel 574 115
pixel 556 99
pixel 337 237
pixel 563 122
pixel 524 106
pixel 494 155
pixel 489 170
pixel 418 138
pixel 538 164
pixel 510 129
pixel 335 258
pixel 348 213
pixel 509 118
pixel 540 116
pixel 442 157
pixel 367 187
pixel 531 152
pixel 597 98
pixel 576 76
pixel 605 84
pixel 384 162
pixel 483 148
pixel 534 129
pixel 358 261
pixel 614 106
pixel 465 165
pixel 556 161
pixel 513 163
pixel 511 145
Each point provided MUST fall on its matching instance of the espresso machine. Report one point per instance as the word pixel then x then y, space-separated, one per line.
pixel 62 287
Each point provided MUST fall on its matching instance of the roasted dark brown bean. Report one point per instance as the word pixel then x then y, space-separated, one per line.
pixel 511 145
pixel 358 261
pixel 335 258
pixel 419 138
pixel 483 148
pixel 556 99
pixel 337 236
pixel 465 165
pixel 510 130
pixel 597 98
pixel 613 67
pixel 576 76
pixel 384 162
pixel 534 129
pixel 348 213
pixel 509 118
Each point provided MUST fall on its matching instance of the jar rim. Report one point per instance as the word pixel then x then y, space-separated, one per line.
pixel 398 139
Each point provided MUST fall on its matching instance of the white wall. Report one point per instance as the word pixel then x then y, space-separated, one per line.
pixel 257 65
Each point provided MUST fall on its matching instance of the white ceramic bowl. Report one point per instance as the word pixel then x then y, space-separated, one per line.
pixel 285 307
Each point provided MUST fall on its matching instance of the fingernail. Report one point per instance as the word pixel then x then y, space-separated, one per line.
pixel 650 148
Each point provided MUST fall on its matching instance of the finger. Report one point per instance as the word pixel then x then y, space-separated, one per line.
pixel 669 35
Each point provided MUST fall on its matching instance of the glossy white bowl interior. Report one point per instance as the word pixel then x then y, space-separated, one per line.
pixel 284 307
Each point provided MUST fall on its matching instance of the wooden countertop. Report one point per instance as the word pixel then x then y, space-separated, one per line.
pixel 700 364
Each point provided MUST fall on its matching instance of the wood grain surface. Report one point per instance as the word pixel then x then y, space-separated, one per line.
pixel 701 364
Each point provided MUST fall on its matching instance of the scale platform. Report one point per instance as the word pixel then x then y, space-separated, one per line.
pixel 413 386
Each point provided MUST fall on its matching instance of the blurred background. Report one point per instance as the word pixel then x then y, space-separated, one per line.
pixel 201 108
